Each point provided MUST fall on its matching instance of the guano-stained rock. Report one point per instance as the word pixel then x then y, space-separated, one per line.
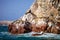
pixel 43 16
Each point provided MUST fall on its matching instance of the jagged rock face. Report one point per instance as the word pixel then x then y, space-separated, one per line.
pixel 43 15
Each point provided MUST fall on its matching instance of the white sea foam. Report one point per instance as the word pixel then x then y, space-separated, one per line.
pixel 46 35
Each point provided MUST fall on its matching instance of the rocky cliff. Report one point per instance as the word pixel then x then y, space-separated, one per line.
pixel 43 16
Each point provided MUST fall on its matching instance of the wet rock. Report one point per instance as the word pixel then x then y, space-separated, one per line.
pixel 12 28
pixel 19 29
pixel 36 34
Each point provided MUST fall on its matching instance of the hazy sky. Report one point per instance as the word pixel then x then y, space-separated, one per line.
pixel 13 9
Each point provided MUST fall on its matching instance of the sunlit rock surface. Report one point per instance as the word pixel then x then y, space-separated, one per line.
pixel 43 16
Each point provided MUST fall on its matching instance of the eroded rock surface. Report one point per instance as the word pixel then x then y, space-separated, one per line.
pixel 43 16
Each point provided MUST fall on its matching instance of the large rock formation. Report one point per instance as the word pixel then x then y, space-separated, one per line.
pixel 43 16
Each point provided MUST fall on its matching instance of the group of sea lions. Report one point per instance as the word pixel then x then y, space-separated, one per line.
pixel 37 19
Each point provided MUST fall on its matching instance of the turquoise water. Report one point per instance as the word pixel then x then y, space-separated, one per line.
pixel 5 35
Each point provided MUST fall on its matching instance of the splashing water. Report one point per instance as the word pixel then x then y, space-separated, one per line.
pixel 4 34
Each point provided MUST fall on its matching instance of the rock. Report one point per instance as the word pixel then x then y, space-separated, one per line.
pixel 27 27
pixel 36 34
pixel 55 29
pixel 43 16
pixel 28 16
pixel 58 23
pixel 19 29
pixel 14 30
pixel 39 28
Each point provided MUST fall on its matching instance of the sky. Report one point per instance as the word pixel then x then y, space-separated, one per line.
pixel 13 9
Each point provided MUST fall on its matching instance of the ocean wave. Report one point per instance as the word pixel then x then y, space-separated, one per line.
pixel 9 36
pixel 29 34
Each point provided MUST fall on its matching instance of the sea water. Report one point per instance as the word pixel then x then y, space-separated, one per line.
pixel 5 35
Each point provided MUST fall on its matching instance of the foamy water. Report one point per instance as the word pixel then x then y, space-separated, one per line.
pixel 6 35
